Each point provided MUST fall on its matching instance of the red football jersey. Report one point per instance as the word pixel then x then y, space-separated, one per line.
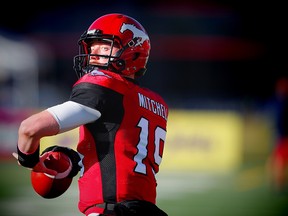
pixel 122 149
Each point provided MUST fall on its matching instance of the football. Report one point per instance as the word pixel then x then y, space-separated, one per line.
pixel 52 187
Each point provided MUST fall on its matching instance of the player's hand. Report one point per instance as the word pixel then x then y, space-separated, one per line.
pixel 40 166
pixel 15 155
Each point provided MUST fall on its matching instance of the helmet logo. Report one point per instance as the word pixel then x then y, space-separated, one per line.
pixel 137 33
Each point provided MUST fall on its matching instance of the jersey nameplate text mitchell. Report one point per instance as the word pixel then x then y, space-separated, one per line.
pixel 153 106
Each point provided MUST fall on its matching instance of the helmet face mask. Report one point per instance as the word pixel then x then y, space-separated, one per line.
pixel 122 32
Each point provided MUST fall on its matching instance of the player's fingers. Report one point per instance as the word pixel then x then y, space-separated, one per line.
pixel 15 155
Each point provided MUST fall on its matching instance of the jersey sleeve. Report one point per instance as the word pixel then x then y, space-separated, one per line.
pixel 90 95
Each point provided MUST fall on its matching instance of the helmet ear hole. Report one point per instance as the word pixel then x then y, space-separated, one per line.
pixel 119 64
pixel 135 56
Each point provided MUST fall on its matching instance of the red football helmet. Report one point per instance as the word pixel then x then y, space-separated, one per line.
pixel 120 30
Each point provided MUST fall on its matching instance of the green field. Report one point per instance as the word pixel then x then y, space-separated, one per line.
pixel 243 193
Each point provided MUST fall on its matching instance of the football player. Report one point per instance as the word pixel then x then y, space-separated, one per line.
pixel 122 124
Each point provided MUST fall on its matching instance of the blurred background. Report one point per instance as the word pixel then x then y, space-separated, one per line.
pixel 216 63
